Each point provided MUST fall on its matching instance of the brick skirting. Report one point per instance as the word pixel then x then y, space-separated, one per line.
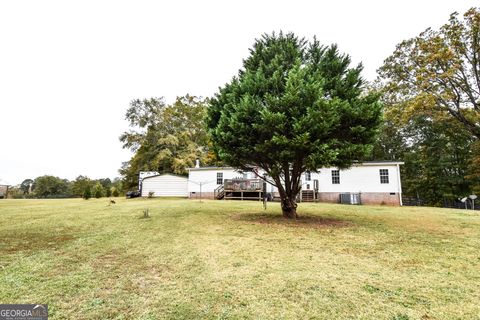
pixel 379 198
pixel 205 195
pixel 376 198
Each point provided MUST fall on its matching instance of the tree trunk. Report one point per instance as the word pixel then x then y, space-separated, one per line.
pixel 288 196
pixel 289 208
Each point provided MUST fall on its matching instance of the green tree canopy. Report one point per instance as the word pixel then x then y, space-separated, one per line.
pixel 80 184
pixel 165 138
pixel 294 106
pixel 50 186
pixel 26 186
pixel 436 154
pixel 437 73
pixel 98 190
pixel 431 86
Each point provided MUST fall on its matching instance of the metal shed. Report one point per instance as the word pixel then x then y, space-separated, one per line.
pixel 165 185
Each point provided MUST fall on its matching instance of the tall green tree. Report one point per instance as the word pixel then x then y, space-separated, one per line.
pixel 431 94
pixel 117 186
pixel 98 190
pixel 438 72
pixel 80 184
pixel 26 186
pixel 51 187
pixel 436 154
pixel 106 185
pixel 294 106
pixel 165 138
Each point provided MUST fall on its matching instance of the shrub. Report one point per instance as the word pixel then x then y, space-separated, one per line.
pixel 98 190
pixel 115 192
pixel 87 193
pixel 151 194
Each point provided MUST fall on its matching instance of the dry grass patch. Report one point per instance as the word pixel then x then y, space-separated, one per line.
pixel 304 221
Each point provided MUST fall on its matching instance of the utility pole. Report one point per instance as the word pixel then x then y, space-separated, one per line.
pixel 200 184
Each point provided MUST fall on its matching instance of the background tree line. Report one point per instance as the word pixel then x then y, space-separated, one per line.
pixel 55 187
pixel 430 88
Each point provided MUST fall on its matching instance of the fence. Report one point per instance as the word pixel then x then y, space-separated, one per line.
pixel 446 203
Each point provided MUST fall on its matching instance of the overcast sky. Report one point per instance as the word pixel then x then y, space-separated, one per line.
pixel 68 69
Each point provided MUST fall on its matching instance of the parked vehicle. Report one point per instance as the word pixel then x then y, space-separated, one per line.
pixel 133 194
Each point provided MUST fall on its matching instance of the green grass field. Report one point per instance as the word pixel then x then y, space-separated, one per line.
pixel 233 260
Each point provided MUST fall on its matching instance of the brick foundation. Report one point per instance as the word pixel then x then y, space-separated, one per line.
pixel 205 195
pixel 378 198
pixel 375 198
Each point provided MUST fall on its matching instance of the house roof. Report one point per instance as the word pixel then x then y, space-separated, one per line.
pixel 379 162
pixel 165 174
pixel 210 168
pixel 364 163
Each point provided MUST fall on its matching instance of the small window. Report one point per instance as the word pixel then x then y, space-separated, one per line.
pixel 219 177
pixel 308 176
pixel 384 176
pixel 335 176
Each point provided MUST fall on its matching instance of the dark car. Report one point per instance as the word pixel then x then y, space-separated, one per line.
pixel 133 194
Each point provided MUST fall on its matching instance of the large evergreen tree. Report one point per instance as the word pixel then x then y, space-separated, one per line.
pixel 294 106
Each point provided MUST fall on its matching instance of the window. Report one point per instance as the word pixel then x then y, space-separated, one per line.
pixel 308 176
pixel 383 175
pixel 219 177
pixel 335 176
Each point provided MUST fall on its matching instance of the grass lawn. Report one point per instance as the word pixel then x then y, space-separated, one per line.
pixel 234 260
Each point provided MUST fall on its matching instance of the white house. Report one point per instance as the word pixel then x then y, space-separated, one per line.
pixel 164 185
pixel 374 182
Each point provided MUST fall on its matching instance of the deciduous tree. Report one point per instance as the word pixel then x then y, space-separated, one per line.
pixel 98 190
pixel 437 73
pixel 26 186
pixel 50 186
pixel 436 153
pixel 80 184
pixel 165 138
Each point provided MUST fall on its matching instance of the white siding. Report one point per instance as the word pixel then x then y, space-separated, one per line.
pixel 165 185
pixel 364 178
pixel 359 178
pixel 207 177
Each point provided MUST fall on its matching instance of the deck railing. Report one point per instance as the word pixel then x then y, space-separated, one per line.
pixel 248 185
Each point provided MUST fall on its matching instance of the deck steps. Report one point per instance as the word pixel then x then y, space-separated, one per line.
pixel 308 196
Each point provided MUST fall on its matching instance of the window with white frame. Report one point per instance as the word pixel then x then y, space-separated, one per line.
pixel 219 177
pixel 308 176
pixel 384 176
pixel 335 176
